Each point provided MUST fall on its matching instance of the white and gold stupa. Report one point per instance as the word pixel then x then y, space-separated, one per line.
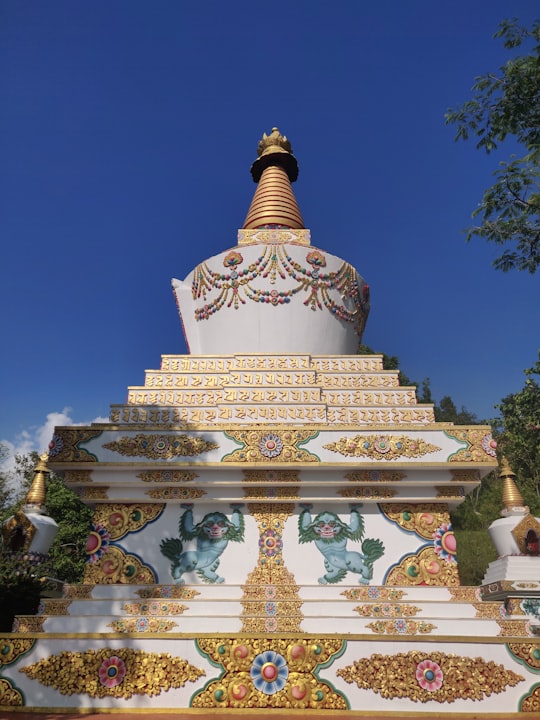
pixel 271 524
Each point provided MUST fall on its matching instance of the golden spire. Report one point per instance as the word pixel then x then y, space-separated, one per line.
pixel 511 496
pixel 274 171
pixel 35 497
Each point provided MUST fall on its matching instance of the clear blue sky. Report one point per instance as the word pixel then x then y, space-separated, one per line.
pixel 127 130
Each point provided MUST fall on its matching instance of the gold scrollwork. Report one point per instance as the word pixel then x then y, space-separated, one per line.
pixel 176 493
pixel 526 653
pixel 271 476
pixel 116 566
pixel 273 446
pixel 78 592
pixel 142 625
pixel 511 628
pixel 421 518
pixel 385 610
pixel 161 447
pixel 374 593
pixel 121 519
pixel 369 476
pixel 64 446
pixel 480 446
pixel 167 476
pixel 112 672
pixel 9 695
pixel 11 649
pixel 56 607
pixel 382 447
pixel 168 592
pixel 400 627
pixel 425 568
pixel 240 660
pixel 531 702
pixel 154 607
pixel 94 493
pixel 424 676
pixel 368 492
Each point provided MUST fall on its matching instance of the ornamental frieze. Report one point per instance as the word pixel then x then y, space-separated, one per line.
pixel 528 654
pixel 113 673
pixel 480 445
pixel 176 493
pixel 168 592
pixel 370 476
pixel 64 446
pixel 386 610
pixel 271 476
pixel 119 519
pixel 142 625
pixel 278 446
pixel 275 673
pixel 116 566
pixel 382 447
pixel 10 696
pixel 374 593
pixel 367 492
pixel 420 518
pixel 424 568
pixel 161 447
pixel 167 476
pixel 400 626
pixel 429 676
pixel 11 649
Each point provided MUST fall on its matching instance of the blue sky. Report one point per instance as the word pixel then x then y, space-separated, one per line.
pixel 127 130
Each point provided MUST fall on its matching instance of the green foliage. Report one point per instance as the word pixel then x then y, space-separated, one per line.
pixel 507 104
pixel 474 551
pixel 446 411
pixel 23 577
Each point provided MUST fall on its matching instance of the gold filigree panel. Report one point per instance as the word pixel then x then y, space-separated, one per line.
pixel 480 445
pixel 526 653
pixel 464 594
pixel 488 610
pixel 450 492
pixel 374 593
pixel 519 532
pixel 176 493
pixel 161 447
pixel 401 627
pixel 386 610
pixel 429 676
pixel 117 673
pixel 64 446
pixel 178 592
pixel 78 592
pixel 368 493
pixel 420 518
pixel 142 625
pixel 56 607
pixel 18 528
pixel 167 476
pixel 28 624
pixel 94 493
pixel 277 446
pixel 424 568
pixel 369 476
pixel 511 628
pixel 155 607
pixel 75 477
pixel 11 649
pixel 248 663
pixel 116 566
pixel 382 447
pixel 9 695
pixel 121 519
pixel 531 702
pixel 271 476
pixel 271 492
pixel 465 476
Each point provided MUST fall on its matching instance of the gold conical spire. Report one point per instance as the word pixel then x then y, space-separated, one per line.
pixel 511 496
pixel 274 170
pixel 35 497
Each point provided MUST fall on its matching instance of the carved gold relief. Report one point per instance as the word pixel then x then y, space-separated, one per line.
pixel 168 592
pixel 519 532
pixel 374 593
pixel 121 519
pixel 464 594
pixel 11 649
pixel 386 609
pixel 78 592
pixel 480 445
pixel 72 477
pixel 271 492
pixel 142 625
pixel 18 528
pixel 64 447
pixel 154 607
pixel 9 695
pixel 270 673
pixel 176 493
pixel 161 447
pixel 526 653
pixel 531 703
pixel 368 493
pixel 271 476
pixel 381 447
pixel 421 518
pixel 425 568
pixel 465 476
pixel 276 446
pixel 511 628
pixel 118 672
pixel 369 476
pixel 167 476
pixel 116 566
pixel 94 493
pixel 450 492
pixel 401 627
pixel 492 611
pixel 56 607
pixel 28 624
pixel 429 676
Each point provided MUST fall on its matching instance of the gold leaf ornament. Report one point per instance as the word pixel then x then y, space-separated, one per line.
pixel 382 447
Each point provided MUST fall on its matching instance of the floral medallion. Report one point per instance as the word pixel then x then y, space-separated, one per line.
pixel 444 543
pixel 117 566
pixel 161 447
pixel 261 446
pixel 117 520
pixel 142 625
pixel 269 672
pixel 382 447
pixel 97 542
pixel 479 445
pixel 64 446
pixel 399 626
pixel 437 676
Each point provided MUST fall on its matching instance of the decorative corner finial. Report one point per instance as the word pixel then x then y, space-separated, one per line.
pixel 274 149
pixel 35 497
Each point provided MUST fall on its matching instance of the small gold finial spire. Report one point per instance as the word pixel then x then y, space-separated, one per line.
pixel 274 150
pixel 35 497
pixel 511 496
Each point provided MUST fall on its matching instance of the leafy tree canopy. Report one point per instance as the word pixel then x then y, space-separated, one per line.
pixel 506 104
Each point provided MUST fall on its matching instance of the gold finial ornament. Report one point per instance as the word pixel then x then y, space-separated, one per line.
pixel 275 142
pixel 38 490
pixel 274 150
pixel 511 496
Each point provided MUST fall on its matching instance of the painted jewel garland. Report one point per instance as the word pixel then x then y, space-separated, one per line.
pixel 433 676
pixel 234 286
pixel 382 447
pixel 119 673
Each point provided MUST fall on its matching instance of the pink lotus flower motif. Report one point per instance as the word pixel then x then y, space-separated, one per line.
pixel 429 675
pixel 382 444
pixel 489 445
pixel 112 671
pixel 316 259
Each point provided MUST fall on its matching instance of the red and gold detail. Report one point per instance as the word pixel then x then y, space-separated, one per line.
pixel 277 446
pixel 120 519
pixel 424 568
pixel 420 518
pixel 300 689
pixel 519 532
pixel 117 566
pixel 430 676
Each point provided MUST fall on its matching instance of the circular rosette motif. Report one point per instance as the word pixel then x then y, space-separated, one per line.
pixel 429 675
pixel 382 445
pixel 444 543
pixel 270 543
pixel 56 445
pixel 112 671
pixel 270 445
pixel 97 542
pixel 489 445
pixel 269 672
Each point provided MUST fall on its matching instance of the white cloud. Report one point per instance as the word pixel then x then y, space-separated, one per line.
pixel 38 438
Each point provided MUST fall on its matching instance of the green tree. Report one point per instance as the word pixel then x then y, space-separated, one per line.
pixel 506 104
